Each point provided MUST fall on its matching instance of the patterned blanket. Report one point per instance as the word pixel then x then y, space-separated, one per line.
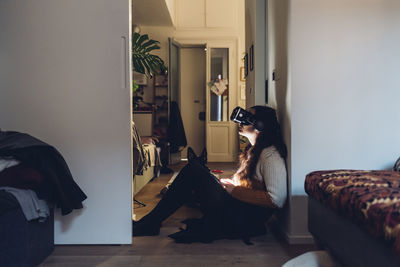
pixel 371 199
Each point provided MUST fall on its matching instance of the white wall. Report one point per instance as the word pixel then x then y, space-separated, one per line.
pixel 344 63
pixel 256 36
pixel 279 93
pixel 61 70
pixel 338 89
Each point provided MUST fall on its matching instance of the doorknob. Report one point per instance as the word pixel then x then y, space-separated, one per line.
pixel 202 116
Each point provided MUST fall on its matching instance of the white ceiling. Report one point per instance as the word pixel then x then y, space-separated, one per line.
pixel 150 13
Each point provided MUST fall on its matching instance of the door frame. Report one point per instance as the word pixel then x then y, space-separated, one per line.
pixel 172 42
pixel 232 44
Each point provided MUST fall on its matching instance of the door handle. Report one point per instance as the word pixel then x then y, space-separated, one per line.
pixel 124 62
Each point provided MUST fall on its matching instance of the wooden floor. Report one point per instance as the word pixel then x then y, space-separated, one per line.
pixel 150 194
pixel 267 250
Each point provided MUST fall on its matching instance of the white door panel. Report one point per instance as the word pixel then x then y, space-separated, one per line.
pixel 221 137
pixel 193 97
pixel 64 78
pixel 219 145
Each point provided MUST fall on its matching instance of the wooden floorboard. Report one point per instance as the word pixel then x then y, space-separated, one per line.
pixel 267 250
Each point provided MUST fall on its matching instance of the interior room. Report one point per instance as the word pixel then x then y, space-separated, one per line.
pixel 197 61
pixel 104 103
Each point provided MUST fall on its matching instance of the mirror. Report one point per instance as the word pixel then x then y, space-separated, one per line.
pixel 219 84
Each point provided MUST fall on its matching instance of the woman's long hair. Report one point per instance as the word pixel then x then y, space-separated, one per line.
pixel 270 136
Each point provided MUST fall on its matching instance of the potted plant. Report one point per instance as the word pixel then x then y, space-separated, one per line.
pixel 143 61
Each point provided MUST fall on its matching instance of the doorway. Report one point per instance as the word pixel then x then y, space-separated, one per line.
pixel 220 96
pixel 192 96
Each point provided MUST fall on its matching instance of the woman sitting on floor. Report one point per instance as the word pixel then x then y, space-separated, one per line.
pixel 236 207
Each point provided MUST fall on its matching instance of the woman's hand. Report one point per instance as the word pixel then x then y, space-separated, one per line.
pixel 228 185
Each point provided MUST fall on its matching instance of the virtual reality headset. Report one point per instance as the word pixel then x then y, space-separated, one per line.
pixel 244 117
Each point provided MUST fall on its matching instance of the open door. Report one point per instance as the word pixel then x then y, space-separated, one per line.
pixel 221 83
pixel 193 96
pixel 174 71
pixel 174 89
pixel 221 134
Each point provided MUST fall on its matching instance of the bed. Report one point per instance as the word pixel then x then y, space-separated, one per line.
pixel 34 179
pixel 356 215
pixel 146 159
pixel 151 169
pixel 22 242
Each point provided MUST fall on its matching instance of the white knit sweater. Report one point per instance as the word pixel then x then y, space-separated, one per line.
pixel 272 169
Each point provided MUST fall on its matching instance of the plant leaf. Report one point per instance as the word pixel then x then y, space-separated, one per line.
pixel 135 37
pixel 141 39
pixel 150 42
pixel 151 48
pixel 142 60
pixel 136 66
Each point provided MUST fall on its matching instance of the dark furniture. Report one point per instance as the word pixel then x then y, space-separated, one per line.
pixel 351 245
pixel 24 243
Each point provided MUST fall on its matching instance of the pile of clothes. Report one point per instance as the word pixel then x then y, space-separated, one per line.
pixel 35 174
pixel 145 153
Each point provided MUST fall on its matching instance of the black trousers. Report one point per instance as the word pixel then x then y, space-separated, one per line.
pixel 223 214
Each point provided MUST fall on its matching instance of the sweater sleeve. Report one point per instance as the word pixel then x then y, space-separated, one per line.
pixel 254 197
pixel 271 168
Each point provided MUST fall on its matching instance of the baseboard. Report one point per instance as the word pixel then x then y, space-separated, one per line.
pixel 294 239
pixel 299 239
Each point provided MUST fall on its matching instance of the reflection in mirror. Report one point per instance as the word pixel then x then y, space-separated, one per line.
pixel 219 88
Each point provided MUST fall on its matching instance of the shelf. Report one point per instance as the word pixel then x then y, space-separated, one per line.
pixel 160 101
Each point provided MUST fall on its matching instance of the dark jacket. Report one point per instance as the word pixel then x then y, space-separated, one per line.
pixel 176 131
pixel 59 185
